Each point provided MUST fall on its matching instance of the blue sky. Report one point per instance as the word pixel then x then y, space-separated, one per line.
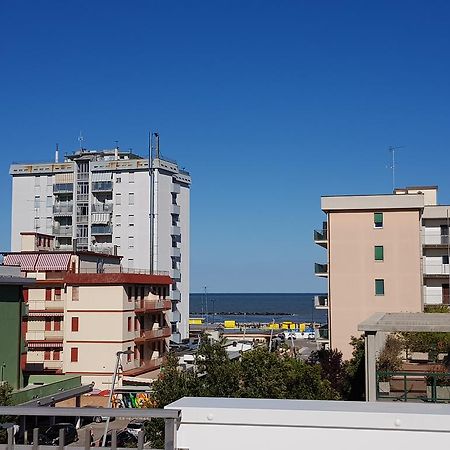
pixel 269 104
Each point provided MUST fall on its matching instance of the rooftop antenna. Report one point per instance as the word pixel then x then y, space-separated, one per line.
pixel 80 140
pixel 392 167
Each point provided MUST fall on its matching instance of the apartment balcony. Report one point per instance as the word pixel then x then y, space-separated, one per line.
pixel 436 270
pixel 322 334
pixel 321 301
pixel 175 252
pixel 82 198
pixel 63 210
pixel 102 208
pixel 144 306
pixel 102 186
pixel 175 274
pixel 56 305
pixel 175 316
pixel 321 270
pixel 108 249
pixel 63 230
pixel 65 247
pixel 175 188
pixel 175 296
pixel 54 335
pixel 174 209
pixel 321 237
pixel 63 188
pixel 175 231
pixel 101 229
pixel 148 335
pixel 435 240
pixel 144 367
pixel 53 365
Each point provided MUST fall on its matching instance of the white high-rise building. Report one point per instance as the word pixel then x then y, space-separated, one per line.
pixel 101 201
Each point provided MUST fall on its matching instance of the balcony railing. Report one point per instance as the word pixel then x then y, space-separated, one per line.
pixel 321 269
pixel 147 335
pixel 119 269
pixel 62 188
pixel 53 365
pixel 57 305
pixel 414 386
pixel 63 210
pixel 323 334
pixel 435 239
pixel 142 306
pixel 53 335
pixel 101 229
pixel 102 186
pixel 435 269
pixel 63 230
pixel 321 301
pixel 102 207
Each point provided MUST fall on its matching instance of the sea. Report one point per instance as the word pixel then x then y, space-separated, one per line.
pixel 260 308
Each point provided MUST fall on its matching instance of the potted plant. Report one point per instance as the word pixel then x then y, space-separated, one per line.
pixel 389 360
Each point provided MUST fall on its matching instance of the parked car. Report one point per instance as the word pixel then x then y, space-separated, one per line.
pixel 135 426
pixel 97 419
pixel 124 439
pixel 51 435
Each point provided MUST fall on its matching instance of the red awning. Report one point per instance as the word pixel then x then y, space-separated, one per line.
pixel 53 261
pixel 26 261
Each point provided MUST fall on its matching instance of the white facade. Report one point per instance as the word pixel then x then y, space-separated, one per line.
pixel 99 201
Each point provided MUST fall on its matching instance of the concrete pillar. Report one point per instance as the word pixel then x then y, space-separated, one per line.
pixel 77 401
pixel 371 367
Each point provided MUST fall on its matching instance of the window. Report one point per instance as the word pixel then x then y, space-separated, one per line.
pixel 129 324
pixel 131 220
pixel 118 220
pixel 37 181
pixel 379 287
pixel 57 294
pixel 48 324
pixel 47 355
pixel 130 263
pixel 118 199
pixel 129 354
pixel 49 201
pixel 37 201
pixel 56 355
pixel 74 354
pixel 57 325
pixel 131 198
pixel 75 323
pixel 131 242
pixel 131 177
pixel 118 180
pixel 444 259
pixel 25 294
pixel 136 324
pixel 48 294
pixel 378 220
pixel 379 253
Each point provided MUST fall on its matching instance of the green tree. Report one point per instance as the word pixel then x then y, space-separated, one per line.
pixel 5 400
pixel 355 371
pixel 331 367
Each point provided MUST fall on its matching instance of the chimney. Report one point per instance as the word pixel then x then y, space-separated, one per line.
pixel 116 153
pixel 57 154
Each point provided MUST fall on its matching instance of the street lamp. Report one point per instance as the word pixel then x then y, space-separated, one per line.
pixel 118 355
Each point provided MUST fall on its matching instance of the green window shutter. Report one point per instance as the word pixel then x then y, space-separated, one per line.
pixel 379 253
pixel 378 220
pixel 379 287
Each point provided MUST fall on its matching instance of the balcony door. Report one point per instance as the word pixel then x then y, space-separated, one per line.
pixel 445 294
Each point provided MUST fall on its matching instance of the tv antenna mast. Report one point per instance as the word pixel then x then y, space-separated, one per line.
pixel 392 167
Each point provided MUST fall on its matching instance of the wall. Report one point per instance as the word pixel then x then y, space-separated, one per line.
pixel 10 334
pixel 353 270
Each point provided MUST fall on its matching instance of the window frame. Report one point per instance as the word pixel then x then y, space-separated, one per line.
pixel 377 254
pixel 376 223
pixel 377 285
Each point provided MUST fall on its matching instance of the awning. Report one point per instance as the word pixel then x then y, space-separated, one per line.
pixel 42 344
pixel 101 218
pixel 26 261
pixel 53 261
pixel 101 176
pixel 64 178
pixel 45 314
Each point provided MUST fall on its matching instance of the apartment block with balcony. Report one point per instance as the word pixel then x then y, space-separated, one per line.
pixel 100 201
pixel 83 307
pixel 374 259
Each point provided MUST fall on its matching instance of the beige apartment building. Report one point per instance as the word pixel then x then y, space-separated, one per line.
pixel 385 253
pixel 84 307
